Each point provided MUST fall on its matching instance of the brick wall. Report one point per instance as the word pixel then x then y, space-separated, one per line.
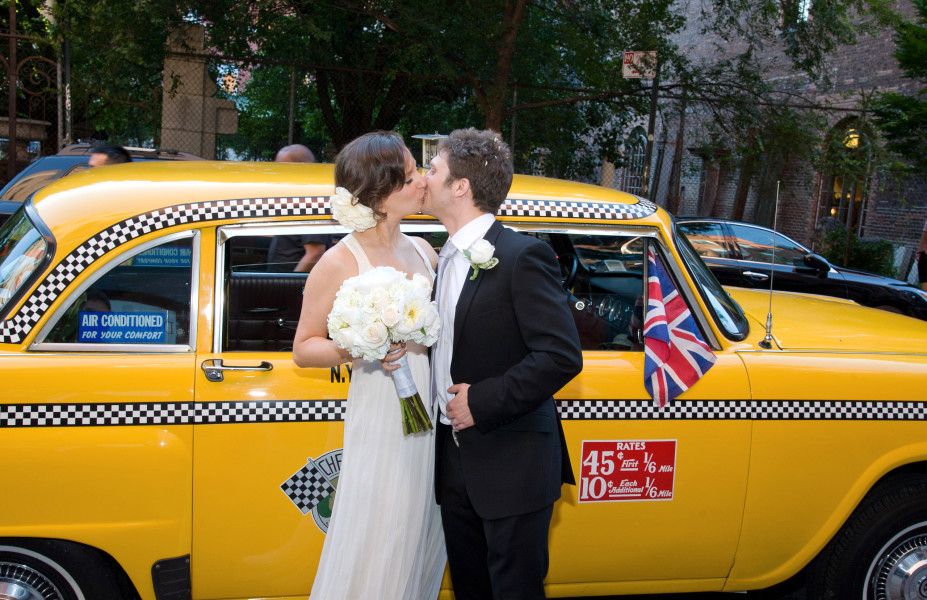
pixel 895 211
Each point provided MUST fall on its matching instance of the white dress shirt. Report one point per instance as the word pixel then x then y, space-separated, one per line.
pixel 451 279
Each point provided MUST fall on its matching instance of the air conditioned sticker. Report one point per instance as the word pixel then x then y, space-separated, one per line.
pixel 627 470
pixel 122 327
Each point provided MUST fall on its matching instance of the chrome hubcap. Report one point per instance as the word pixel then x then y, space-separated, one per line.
pixel 19 582
pixel 901 574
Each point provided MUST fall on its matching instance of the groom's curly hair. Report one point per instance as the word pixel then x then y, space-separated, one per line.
pixel 372 167
pixel 482 158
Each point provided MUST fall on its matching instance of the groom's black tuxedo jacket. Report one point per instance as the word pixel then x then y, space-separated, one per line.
pixel 516 343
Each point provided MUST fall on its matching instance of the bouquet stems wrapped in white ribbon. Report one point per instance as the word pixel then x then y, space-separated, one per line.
pixel 378 308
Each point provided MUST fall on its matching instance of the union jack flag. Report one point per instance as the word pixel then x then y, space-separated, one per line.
pixel 675 355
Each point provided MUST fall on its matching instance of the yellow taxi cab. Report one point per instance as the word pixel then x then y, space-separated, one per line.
pixel 158 442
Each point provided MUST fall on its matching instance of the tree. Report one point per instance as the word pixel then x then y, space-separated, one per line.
pixel 116 59
pixel 903 119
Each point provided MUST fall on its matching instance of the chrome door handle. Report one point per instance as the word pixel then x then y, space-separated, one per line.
pixel 213 368
pixel 755 275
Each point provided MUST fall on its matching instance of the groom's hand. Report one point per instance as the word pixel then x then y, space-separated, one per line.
pixel 458 409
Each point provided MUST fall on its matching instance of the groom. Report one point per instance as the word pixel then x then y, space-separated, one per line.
pixel 508 343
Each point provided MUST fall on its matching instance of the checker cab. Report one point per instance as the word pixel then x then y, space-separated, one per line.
pixel 161 443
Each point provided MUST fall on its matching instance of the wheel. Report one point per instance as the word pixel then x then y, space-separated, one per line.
pixel 53 570
pixel 881 552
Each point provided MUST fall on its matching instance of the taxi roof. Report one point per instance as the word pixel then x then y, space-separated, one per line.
pixel 98 197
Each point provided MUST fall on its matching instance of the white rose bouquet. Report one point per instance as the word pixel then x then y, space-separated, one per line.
pixel 377 308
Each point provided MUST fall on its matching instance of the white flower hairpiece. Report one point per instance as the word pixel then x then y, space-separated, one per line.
pixel 348 211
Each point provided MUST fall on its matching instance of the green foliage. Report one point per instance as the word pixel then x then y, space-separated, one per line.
pixel 866 254
pixel 760 24
pixel 903 119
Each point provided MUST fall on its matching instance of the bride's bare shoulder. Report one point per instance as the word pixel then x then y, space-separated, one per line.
pixel 336 265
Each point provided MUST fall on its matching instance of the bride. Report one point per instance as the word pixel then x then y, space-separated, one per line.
pixel 385 538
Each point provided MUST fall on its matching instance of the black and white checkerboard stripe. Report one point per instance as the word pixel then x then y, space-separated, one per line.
pixel 183 413
pixel 798 410
pixel 514 207
pixel 307 487
pixel 18 325
pixel 302 411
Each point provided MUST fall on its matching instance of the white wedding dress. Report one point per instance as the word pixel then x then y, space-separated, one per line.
pixel 384 538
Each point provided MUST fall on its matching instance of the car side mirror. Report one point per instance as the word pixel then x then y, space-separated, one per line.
pixel 818 263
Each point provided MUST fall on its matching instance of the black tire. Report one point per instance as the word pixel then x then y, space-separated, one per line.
pixel 56 570
pixel 882 549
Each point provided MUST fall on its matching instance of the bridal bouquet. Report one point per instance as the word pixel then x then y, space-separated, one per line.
pixel 377 308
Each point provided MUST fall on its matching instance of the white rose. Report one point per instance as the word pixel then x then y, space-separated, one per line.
pixel 379 298
pixel 390 315
pixel 481 251
pixel 374 334
pixel 421 282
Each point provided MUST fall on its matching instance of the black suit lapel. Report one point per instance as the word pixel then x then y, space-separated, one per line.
pixel 471 286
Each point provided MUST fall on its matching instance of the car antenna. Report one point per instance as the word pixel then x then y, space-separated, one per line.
pixel 766 342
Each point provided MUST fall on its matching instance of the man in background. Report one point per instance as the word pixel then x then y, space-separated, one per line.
pixel 108 154
pixel 303 251
pixel 295 153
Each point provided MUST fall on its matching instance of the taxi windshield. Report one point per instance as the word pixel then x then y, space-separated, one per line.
pixel 725 310
pixel 22 250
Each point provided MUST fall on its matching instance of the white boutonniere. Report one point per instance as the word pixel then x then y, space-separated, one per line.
pixel 480 254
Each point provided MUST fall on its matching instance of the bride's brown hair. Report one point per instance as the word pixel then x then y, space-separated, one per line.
pixel 372 167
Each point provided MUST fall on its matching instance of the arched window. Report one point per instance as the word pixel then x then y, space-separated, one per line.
pixel 845 175
pixel 632 175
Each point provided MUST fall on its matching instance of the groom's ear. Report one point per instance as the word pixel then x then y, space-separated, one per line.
pixel 461 187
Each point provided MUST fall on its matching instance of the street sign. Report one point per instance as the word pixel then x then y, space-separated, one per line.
pixel 639 64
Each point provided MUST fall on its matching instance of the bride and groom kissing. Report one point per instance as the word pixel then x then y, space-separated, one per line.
pixel 477 490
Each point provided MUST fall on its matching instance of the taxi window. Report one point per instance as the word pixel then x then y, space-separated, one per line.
pixel 262 300
pixel 605 275
pixel 144 299
pixel 22 250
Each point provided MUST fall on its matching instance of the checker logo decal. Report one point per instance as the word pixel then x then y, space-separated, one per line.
pixel 307 487
pixel 312 488
pixel 20 323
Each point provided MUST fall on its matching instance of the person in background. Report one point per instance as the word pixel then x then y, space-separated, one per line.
pixel 295 153
pixel 922 260
pixel 108 154
pixel 303 250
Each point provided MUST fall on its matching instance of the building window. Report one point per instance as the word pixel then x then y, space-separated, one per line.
pixel 843 183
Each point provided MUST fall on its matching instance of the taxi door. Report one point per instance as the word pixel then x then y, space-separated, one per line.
pixel 660 491
pixel 268 434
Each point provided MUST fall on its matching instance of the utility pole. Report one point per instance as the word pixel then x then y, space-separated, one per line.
pixel 648 153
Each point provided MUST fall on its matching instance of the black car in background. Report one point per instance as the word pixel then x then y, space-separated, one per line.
pixel 69 159
pixel 745 255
